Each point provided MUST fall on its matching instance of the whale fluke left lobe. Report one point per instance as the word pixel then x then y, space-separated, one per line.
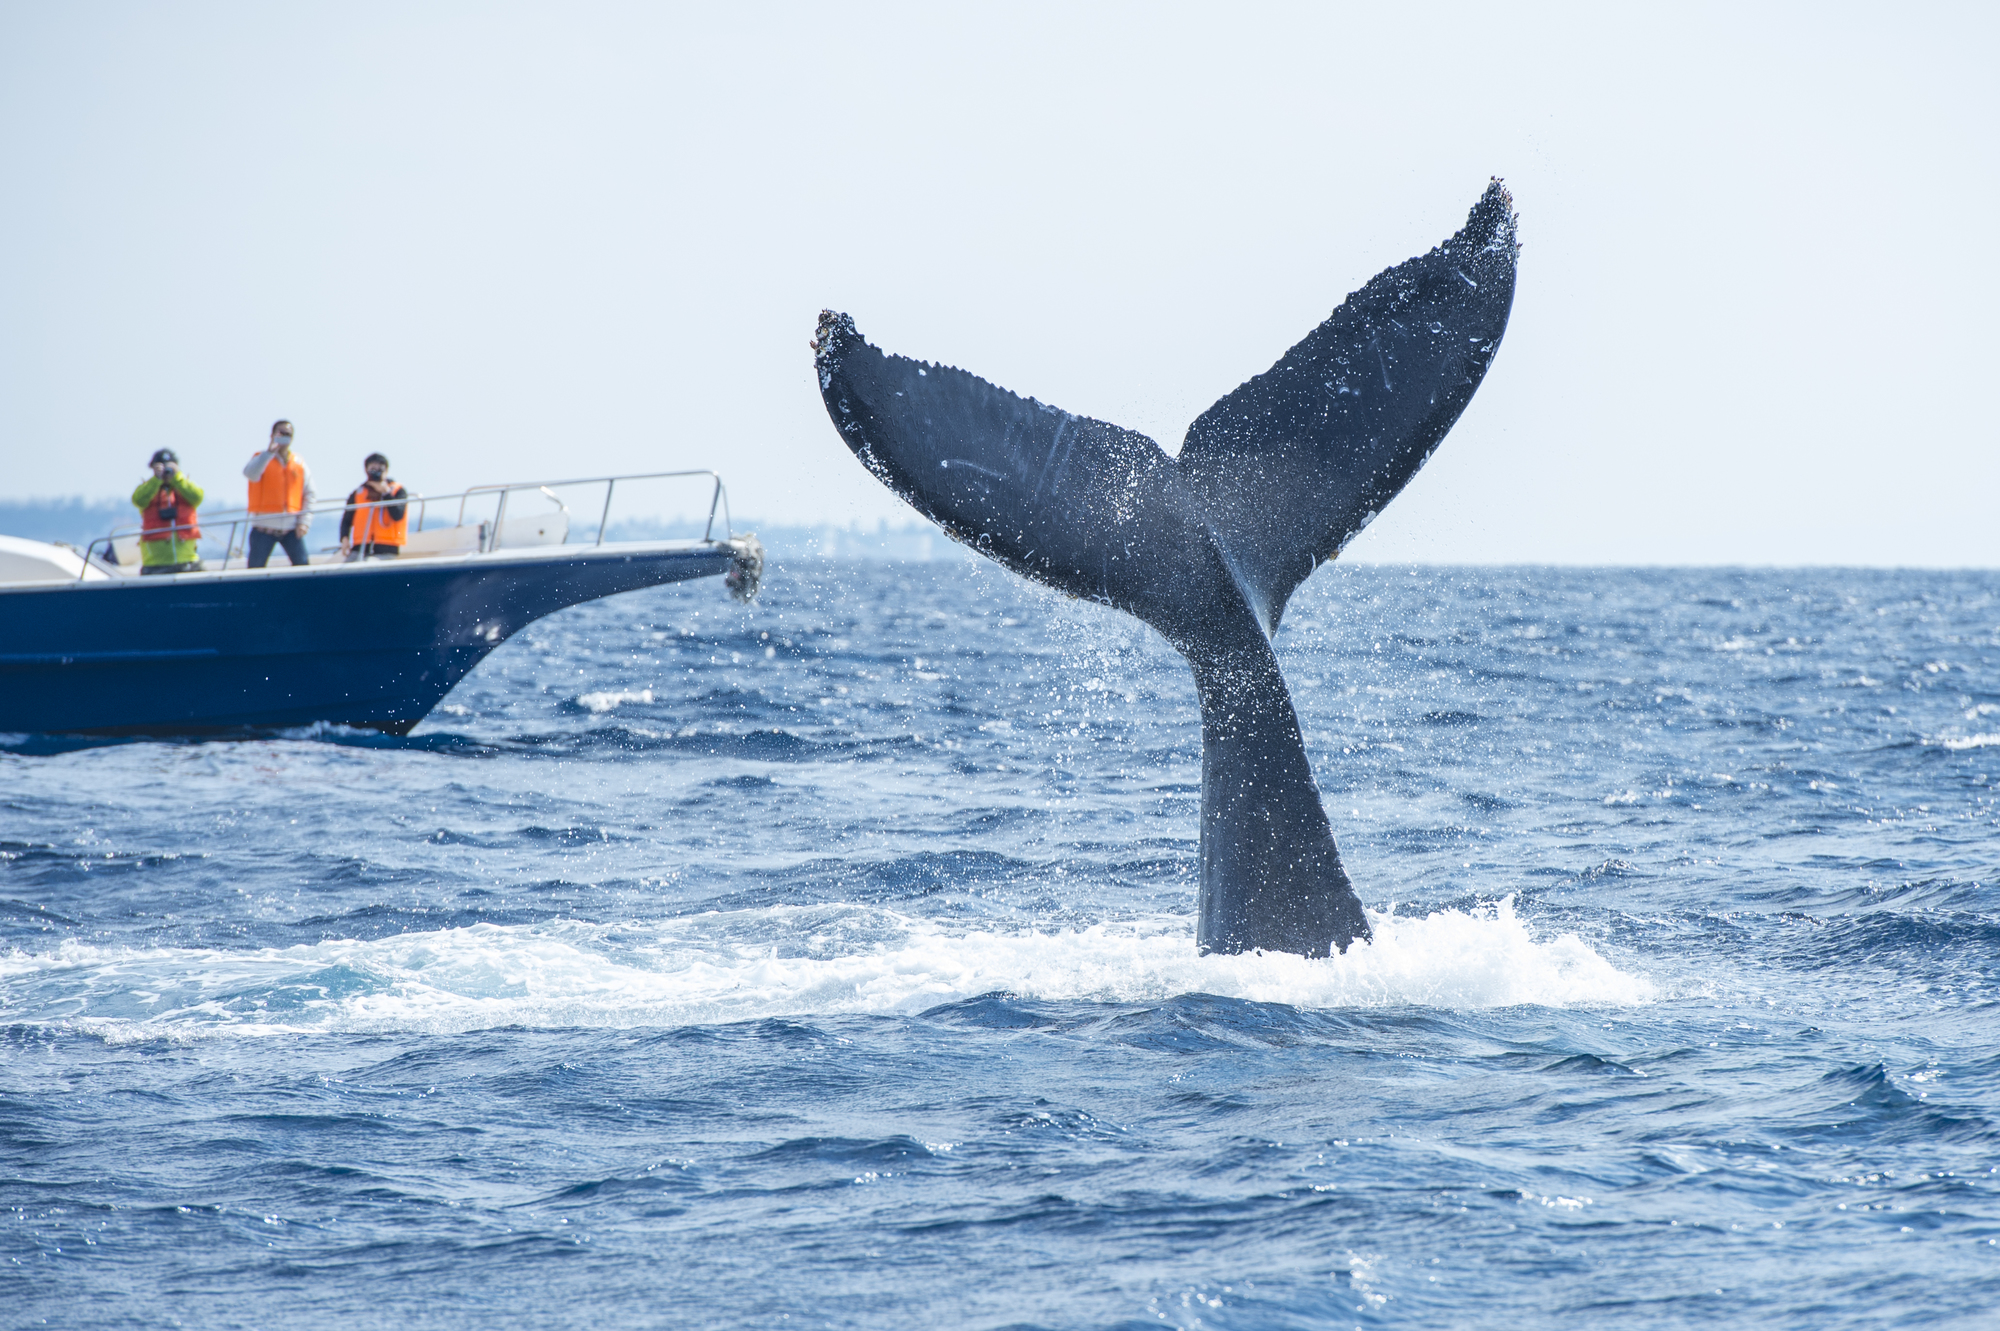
pixel 1101 512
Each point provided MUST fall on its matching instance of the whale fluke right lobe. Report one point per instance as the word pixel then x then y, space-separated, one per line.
pixel 1294 463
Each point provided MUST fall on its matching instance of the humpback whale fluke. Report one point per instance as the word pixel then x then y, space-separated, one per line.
pixel 1271 481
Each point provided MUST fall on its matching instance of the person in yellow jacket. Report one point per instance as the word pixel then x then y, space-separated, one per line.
pixel 281 497
pixel 168 530
pixel 377 519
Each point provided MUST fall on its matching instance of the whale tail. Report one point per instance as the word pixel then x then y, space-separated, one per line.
pixel 1207 548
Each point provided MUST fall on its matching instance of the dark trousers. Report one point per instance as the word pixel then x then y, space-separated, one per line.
pixel 261 543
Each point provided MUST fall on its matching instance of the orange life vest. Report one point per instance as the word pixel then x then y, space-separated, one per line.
pixel 282 487
pixel 374 526
pixel 168 517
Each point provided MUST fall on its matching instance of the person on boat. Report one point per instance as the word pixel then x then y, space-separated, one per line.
pixel 281 497
pixel 167 527
pixel 372 528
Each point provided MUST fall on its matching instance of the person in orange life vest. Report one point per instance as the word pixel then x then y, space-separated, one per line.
pixel 370 528
pixel 281 495
pixel 167 527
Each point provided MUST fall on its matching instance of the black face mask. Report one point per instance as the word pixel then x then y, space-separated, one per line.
pixel 376 473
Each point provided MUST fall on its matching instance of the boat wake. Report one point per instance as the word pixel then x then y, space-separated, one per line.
pixel 780 961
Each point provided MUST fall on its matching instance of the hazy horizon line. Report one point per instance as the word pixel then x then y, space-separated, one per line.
pixel 940 547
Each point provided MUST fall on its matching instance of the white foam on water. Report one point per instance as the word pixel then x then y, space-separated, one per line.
pixel 608 699
pixel 784 961
pixel 1979 741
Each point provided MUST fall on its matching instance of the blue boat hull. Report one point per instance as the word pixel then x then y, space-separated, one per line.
pixel 376 644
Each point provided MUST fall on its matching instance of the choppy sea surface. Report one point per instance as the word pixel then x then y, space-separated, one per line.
pixel 830 963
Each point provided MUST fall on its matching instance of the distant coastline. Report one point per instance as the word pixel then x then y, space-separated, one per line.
pixel 78 521
pixel 70 521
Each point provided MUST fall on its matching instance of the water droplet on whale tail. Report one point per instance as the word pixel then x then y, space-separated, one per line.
pixel 1207 548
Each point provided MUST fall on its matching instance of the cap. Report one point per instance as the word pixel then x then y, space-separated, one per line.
pixel 164 455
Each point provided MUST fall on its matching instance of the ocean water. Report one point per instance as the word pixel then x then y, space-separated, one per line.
pixel 829 963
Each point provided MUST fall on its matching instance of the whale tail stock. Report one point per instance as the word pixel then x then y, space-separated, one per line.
pixel 1207 548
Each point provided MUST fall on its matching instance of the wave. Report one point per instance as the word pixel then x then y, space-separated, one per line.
pixel 729 966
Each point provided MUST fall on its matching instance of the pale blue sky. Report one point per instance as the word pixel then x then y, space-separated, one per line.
pixel 1754 324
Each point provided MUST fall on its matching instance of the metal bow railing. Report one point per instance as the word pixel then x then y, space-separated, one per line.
pixel 487 536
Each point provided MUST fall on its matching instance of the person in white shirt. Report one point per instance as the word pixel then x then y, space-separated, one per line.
pixel 281 498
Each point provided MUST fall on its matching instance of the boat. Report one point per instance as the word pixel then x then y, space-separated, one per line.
pixel 88 646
